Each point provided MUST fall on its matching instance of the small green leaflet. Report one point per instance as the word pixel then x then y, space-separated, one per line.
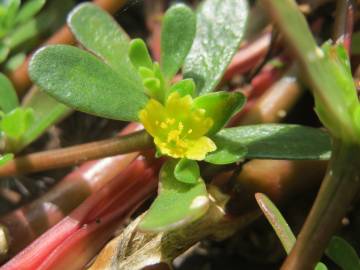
pixel 178 32
pixel 220 106
pixel 343 254
pixel 177 203
pixel 8 98
pixel 187 171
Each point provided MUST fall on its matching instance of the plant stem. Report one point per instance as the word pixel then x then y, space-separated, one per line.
pixel 77 154
pixel 339 187
pixel 344 20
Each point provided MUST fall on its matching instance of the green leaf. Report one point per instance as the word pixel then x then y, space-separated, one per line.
pixel 139 54
pixel 220 28
pixel 279 224
pixel 187 171
pixel 81 81
pixel 277 221
pixel 28 10
pixel 178 32
pixel 220 106
pixel 226 152
pixel 8 96
pixel 177 203
pixel 6 158
pixel 320 266
pixel 15 123
pixel 277 141
pixel 98 32
pixel 343 254
pixel 184 87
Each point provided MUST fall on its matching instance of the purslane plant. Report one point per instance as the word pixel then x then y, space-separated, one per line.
pixel 186 121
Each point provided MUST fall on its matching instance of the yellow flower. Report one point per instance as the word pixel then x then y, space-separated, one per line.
pixel 178 128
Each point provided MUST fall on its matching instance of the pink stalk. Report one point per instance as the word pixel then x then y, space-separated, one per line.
pixel 259 84
pixel 248 56
pixel 30 221
pixel 79 236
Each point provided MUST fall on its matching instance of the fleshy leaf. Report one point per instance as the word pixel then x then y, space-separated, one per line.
pixel 184 87
pixel 277 221
pixel 28 10
pixel 97 31
pixel 15 123
pixel 81 81
pixel 343 254
pixel 8 97
pixel 320 266
pixel 5 158
pixel 177 203
pixel 279 224
pixel 220 28
pixel 178 32
pixel 187 171
pixel 139 54
pixel 276 141
pixel 226 152
pixel 220 106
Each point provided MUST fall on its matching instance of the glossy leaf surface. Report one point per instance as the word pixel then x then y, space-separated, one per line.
pixel 178 31
pixel 220 106
pixel 220 28
pixel 187 171
pixel 177 203
pixel 276 141
pixel 81 81
pixel 139 54
pixel 98 32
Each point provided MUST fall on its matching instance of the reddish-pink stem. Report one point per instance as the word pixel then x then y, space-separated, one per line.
pixel 95 219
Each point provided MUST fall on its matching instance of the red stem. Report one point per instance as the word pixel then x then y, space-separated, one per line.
pixel 94 219
pixel 30 221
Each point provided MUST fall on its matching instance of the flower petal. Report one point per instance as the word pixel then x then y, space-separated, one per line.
pixel 198 149
pixel 151 116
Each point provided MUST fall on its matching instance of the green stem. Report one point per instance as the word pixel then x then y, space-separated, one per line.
pixel 337 191
pixel 77 154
